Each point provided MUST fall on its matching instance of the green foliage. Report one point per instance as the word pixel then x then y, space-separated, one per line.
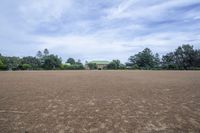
pixel 2 66
pixel 122 66
pixel 184 57
pixel 135 66
pixel 46 52
pixel 169 61
pixel 25 67
pixel 79 62
pixel 1 63
pixel 73 67
pixel 32 61
pixel 71 61
pixel 115 64
pixel 92 66
pixel 197 58
pixel 40 62
pixel 39 54
pixel 12 63
pixel 112 65
pixel 144 59
pixel 71 64
pixel 51 62
pixel 157 61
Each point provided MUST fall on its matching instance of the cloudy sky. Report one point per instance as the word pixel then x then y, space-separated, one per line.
pixel 97 29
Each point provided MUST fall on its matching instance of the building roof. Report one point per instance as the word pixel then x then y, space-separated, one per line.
pixel 68 64
pixel 100 62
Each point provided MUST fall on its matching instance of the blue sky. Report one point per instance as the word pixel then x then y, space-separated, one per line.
pixel 97 29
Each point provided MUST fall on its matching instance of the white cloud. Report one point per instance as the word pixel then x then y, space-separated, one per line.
pixel 38 11
pixel 97 29
pixel 97 46
pixel 135 9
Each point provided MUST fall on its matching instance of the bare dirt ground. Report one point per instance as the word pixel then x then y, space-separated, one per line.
pixel 100 101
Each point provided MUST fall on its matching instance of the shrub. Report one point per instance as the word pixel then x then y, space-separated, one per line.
pixel 2 66
pixel 25 67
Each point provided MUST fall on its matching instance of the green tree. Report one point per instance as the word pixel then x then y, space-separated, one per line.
pixel 157 61
pixel 92 66
pixel 168 61
pixel 2 66
pixel 117 62
pixel 197 58
pixel 71 61
pixel 39 54
pixel 12 63
pixel 112 65
pixel 52 62
pixel 79 65
pixel 122 66
pixel 79 62
pixel 25 67
pixel 46 52
pixel 144 59
pixel 1 63
pixel 185 56
pixel 32 61
pixel 73 67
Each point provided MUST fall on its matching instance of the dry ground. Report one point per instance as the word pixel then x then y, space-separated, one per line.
pixel 100 101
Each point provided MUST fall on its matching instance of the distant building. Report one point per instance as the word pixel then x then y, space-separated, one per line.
pixel 100 64
pixel 67 64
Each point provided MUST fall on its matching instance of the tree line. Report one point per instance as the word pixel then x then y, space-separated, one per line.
pixel 185 57
pixel 42 61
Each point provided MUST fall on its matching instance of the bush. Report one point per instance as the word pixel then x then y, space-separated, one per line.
pixel 112 65
pixel 135 67
pixel 72 67
pixel 25 67
pixel 2 66
pixel 92 66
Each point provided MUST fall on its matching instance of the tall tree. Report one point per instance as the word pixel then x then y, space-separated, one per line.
pixel 157 61
pixel 185 56
pixel 71 61
pixel 52 62
pixel 197 58
pixel 46 52
pixel 12 63
pixel 117 62
pixel 92 66
pixel 112 65
pixel 78 62
pixel 168 61
pixel 32 61
pixel 144 59
pixel 39 54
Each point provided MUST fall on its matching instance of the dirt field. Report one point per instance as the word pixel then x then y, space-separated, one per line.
pixel 100 101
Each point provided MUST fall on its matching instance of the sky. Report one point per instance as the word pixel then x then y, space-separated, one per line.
pixel 97 29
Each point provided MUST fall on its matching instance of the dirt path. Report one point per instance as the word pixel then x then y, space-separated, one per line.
pixel 100 101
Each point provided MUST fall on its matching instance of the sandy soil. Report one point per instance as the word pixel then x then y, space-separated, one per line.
pixel 100 101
